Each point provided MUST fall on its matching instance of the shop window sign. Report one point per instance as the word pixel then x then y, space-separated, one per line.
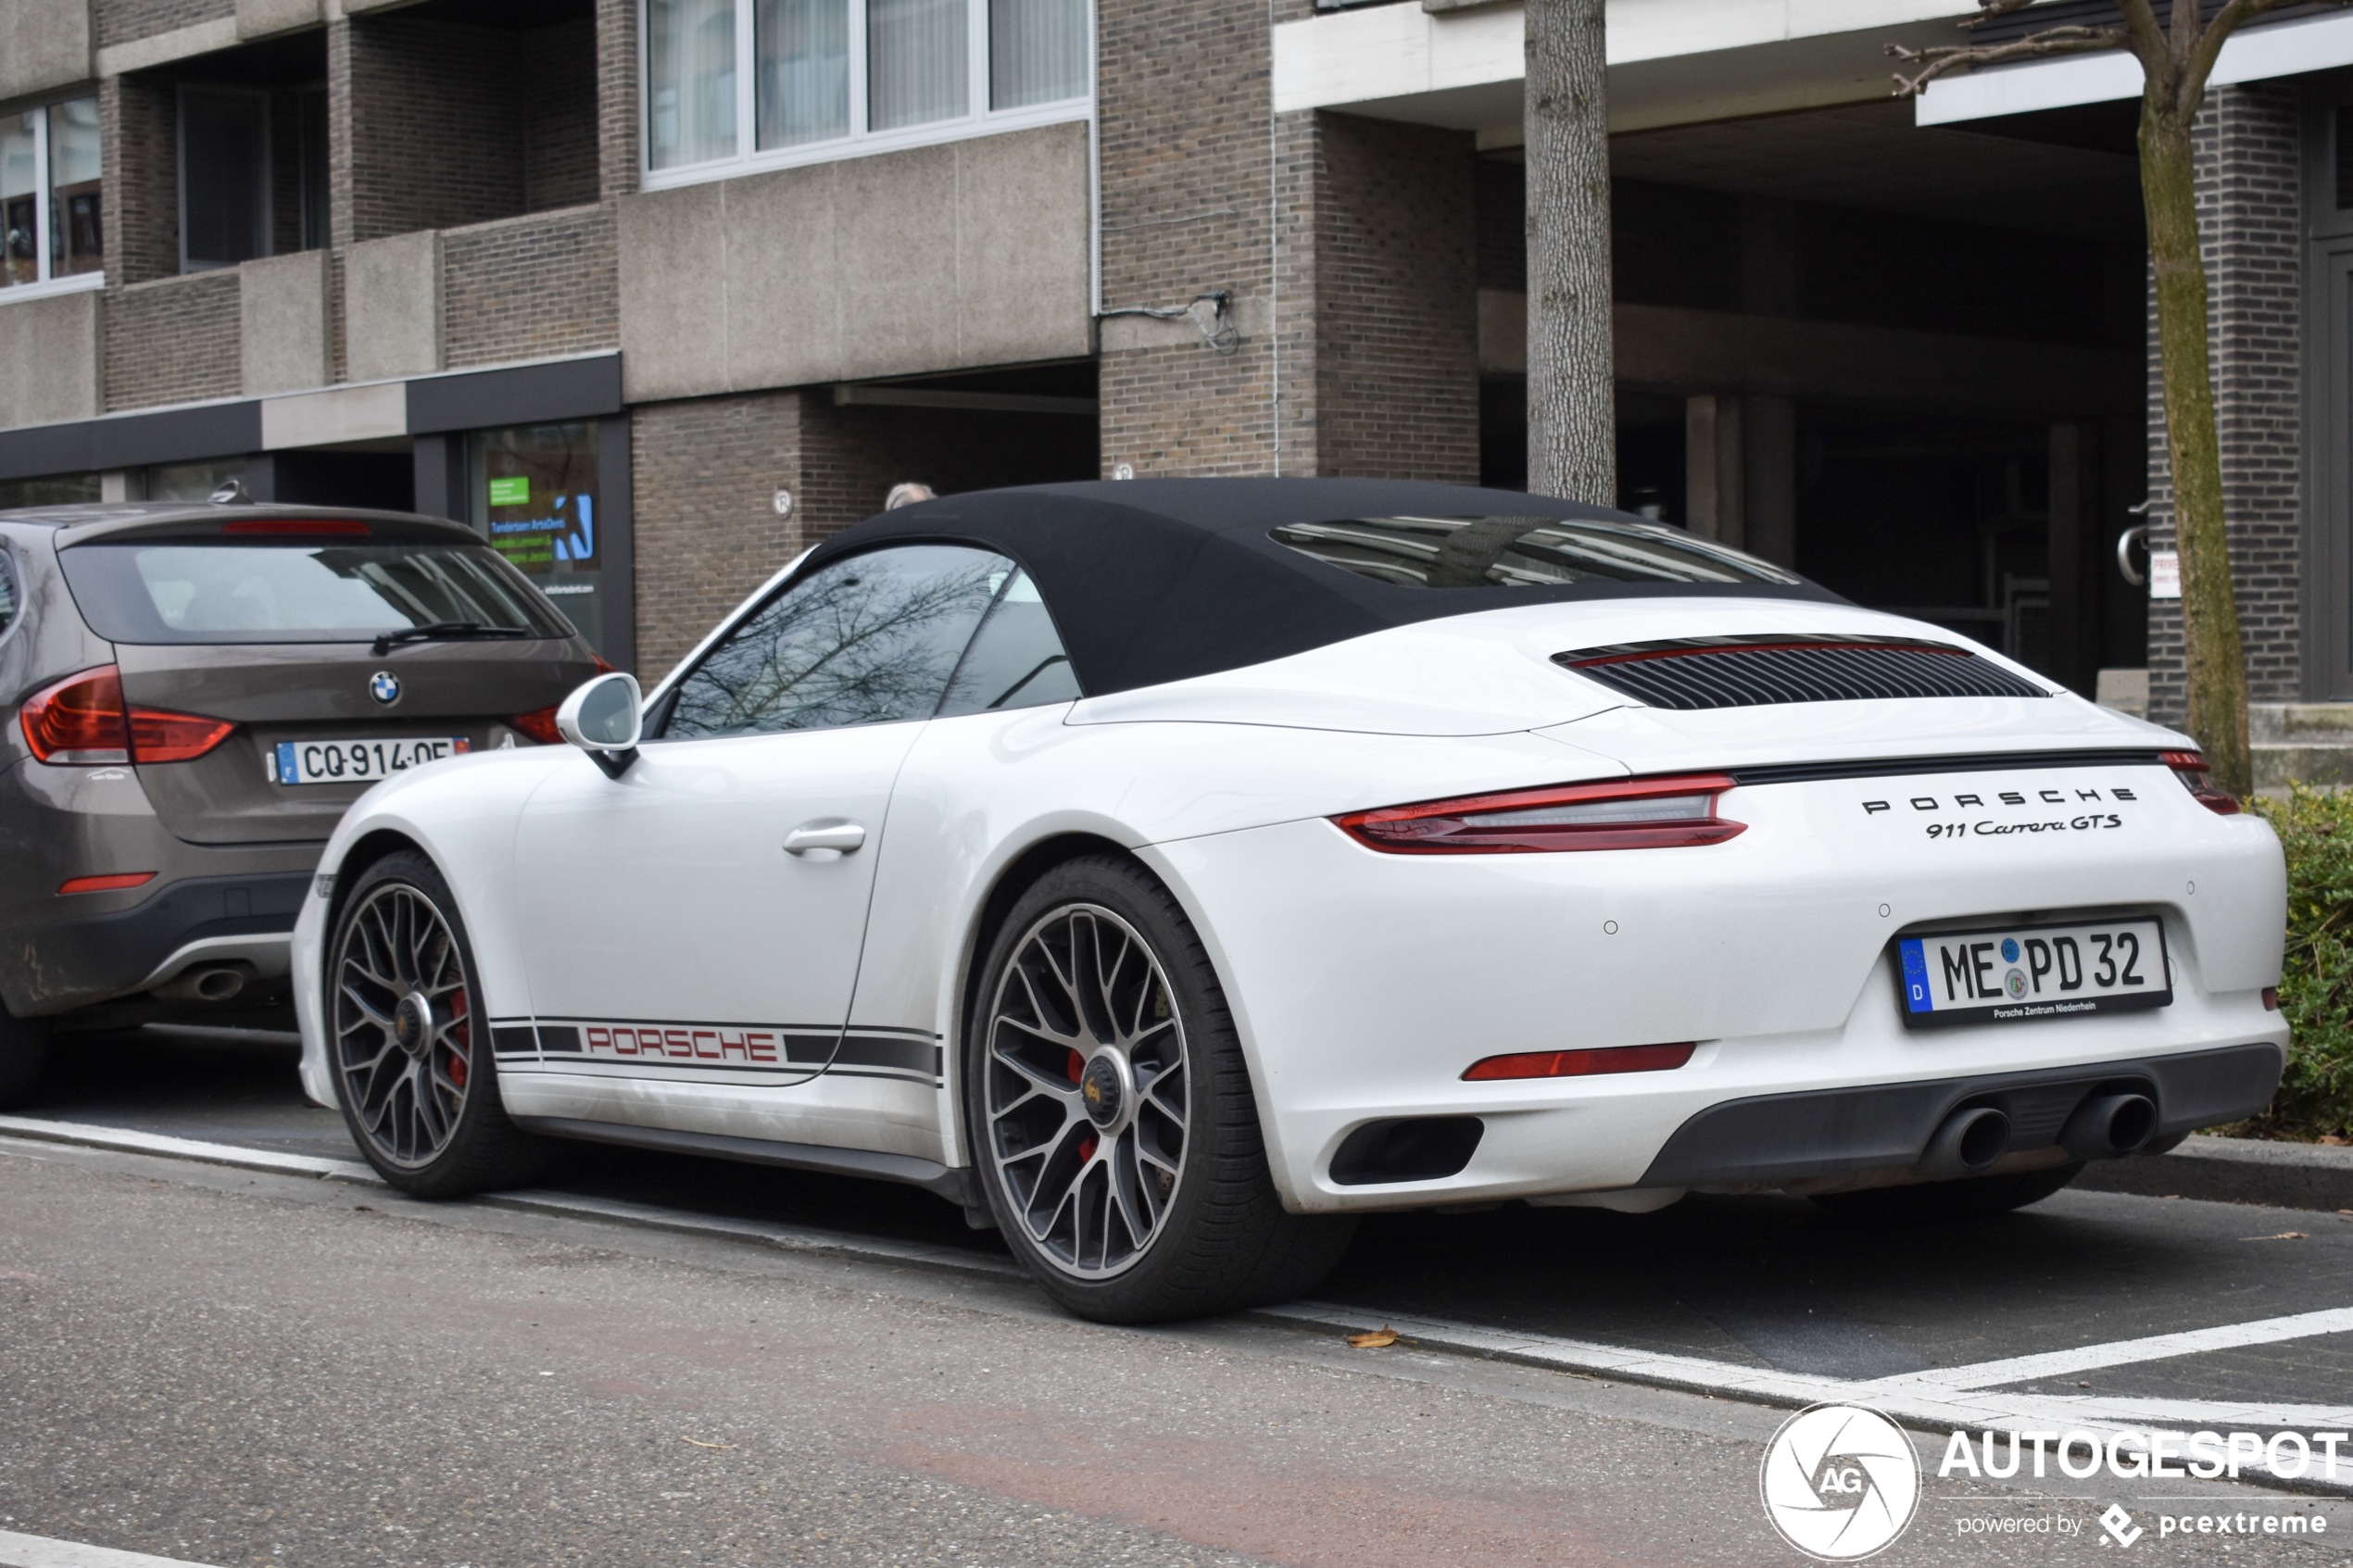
pixel 534 495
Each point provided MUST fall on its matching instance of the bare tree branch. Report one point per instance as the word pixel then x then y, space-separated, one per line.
pixel 1942 59
pixel 2147 37
pixel 2209 48
pixel 1994 8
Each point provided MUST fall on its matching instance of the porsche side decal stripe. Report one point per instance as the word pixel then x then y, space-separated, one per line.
pixel 883 1051
pixel 509 1039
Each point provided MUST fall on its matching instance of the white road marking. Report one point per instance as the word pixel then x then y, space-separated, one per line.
pixel 1951 1397
pixel 1952 1404
pixel 131 1141
pixel 2123 1352
pixel 38 1551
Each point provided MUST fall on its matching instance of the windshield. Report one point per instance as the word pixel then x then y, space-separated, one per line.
pixel 1522 552
pixel 181 592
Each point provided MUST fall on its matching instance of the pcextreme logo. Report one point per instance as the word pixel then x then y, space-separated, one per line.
pixel 1840 1482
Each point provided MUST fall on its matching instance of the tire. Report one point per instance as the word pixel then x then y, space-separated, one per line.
pixel 24 1054
pixel 414 1071
pixel 1972 1197
pixel 1124 1215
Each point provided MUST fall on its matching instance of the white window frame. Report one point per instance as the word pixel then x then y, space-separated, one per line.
pixel 979 120
pixel 45 287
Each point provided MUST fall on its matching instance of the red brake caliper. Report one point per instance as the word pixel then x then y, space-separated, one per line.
pixel 456 1060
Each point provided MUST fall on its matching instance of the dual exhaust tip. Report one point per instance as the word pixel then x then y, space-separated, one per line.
pixel 2102 1127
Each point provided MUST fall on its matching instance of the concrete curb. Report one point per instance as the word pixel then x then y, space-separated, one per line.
pixel 2281 1175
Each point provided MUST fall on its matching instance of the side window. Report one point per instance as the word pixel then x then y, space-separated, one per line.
pixel 1017 661
pixel 866 640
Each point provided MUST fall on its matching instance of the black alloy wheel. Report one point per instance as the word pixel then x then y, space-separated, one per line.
pixel 412 1058
pixel 1111 1112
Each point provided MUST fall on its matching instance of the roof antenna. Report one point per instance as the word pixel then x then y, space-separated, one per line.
pixel 230 494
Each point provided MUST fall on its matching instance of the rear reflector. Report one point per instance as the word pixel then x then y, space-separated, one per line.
pixel 1661 813
pixel 1581 1064
pixel 114 883
pixel 2190 768
pixel 295 525
pixel 82 721
pixel 2271 998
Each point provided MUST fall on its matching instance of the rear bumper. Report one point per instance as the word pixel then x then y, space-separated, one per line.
pixel 69 962
pixel 1771 1141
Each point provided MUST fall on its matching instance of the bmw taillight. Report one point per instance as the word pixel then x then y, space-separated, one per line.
pixel 539 724
pixel 1659 813
pixel 2190 768
pixel 84 720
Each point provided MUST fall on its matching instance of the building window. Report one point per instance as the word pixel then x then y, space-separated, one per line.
pixel 532 490
pixel 224 177
pixel 50 229
pixel 830 77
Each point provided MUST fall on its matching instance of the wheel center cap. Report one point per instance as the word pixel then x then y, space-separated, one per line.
pixel 412 1023
pixel 1103 1088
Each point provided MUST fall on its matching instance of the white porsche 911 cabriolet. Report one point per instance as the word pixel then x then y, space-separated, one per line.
pixel 1168 871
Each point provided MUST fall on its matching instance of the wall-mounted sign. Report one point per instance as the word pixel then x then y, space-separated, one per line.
pixel 2165 574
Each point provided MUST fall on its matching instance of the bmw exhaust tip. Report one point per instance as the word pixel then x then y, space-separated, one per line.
pixel 208 983
pixel 2107 1126
pixel 1967 1145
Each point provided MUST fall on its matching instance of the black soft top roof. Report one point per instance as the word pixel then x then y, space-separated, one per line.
pixel 1154 580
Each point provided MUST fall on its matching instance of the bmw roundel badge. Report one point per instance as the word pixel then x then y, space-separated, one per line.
pixel 384 687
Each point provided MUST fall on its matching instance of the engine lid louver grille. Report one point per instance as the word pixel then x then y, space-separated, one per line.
pixel 1693 672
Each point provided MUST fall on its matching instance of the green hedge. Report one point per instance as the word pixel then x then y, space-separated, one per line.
pixel 2316 990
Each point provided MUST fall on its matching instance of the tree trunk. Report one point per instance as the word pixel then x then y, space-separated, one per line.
pixel 1572 415
pixel 2210 609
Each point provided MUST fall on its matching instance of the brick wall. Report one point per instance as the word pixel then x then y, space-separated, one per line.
pixel 173 341
pixel 123 21
pixel 1183 115
pixel 616 98
pixel 432 105
pixel 2250 221
pixel 706 472
pixel 139 133
pixel 530 288
pixel 559 121
pixel 1395 296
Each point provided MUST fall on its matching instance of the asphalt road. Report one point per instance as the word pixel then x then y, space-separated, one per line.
pixel 231 1367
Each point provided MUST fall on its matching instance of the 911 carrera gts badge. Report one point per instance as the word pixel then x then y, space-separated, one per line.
pixel 384 687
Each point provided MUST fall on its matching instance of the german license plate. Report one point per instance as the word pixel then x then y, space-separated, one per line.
pixel 2016 973
pixel 361 761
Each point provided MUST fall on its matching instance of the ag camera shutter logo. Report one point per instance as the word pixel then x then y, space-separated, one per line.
pixel 1840 1482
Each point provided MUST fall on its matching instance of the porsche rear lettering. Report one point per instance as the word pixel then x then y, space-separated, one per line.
pixel 2004 797
pixel 696 1043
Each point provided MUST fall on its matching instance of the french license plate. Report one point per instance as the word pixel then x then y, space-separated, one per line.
pixel 2016 973
pixel 361 761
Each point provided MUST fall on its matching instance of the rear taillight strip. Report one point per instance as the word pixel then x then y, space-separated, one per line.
pixel 1675 811
pixel 1580 1063
pixel 2190 768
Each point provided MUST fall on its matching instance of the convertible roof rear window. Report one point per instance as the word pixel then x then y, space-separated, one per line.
pixel 1521 552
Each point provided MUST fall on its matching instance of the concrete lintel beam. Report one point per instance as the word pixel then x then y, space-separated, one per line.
pixel 336 417
pixel 167 48
pixel 44 44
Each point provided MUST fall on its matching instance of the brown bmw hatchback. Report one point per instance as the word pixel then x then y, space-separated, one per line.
pixel 198 693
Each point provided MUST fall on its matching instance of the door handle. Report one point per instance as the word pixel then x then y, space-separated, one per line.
pixel 825 834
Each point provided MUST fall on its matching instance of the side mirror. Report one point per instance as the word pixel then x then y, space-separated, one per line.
pixel 601 717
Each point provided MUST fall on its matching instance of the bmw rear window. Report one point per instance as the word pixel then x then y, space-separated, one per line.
pixel 1522 552
pixel 183 591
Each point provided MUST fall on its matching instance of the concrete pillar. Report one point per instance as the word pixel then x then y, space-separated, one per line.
pixel 1768 471
pixel 1715 491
